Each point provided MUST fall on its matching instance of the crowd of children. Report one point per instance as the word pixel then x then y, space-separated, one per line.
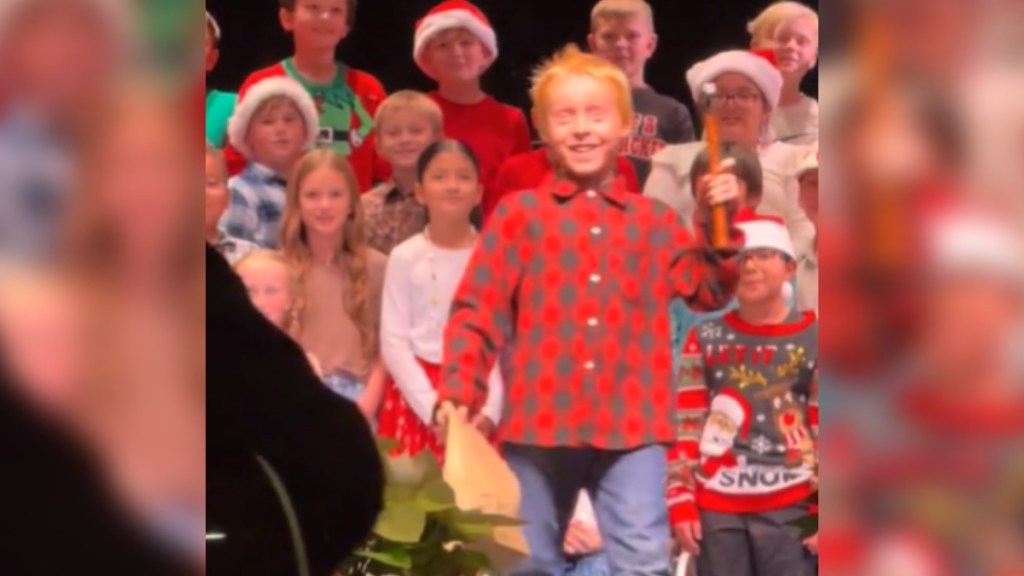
pixel 571 297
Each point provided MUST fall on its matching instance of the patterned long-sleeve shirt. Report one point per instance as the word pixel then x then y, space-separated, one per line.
pixel 578 283
pixel 257 205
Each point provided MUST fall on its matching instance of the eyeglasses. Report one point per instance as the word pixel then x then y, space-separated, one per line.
pixel 744 98
pixel 761 255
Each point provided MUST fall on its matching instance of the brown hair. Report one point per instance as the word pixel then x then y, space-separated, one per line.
pixel 352 254
pixel 409 100
pixel 289 5
pixel 619 8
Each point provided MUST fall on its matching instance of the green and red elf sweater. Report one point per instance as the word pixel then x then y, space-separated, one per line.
pixel 747 417
pixel 346 106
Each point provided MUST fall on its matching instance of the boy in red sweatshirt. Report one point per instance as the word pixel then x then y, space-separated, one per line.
pixel 346 98
pixel 454 45
pixel 571 280
pixel 747 422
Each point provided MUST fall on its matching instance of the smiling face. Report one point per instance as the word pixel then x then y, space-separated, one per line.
pixel 402 136
pixel 796 46
pixel 277 133
pixel 325 202
pixel 740 106
pixel 763 272
pixel 317 24
pixel 583 124
pixel 624 40
pixel 456 55
pixel 450 187
pixel 718 436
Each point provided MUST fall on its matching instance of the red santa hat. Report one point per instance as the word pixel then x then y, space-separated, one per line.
pixel 809 162
pixel 758 65
pixel 735 407
pixel 446 16
pixel 250 101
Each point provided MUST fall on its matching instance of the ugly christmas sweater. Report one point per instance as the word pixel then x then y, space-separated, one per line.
pixel 346 107
pixel 747 417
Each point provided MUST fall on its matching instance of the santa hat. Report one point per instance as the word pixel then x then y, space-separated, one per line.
pixel 758 65
pixel 448 15
pixel 808 163
pixel 214 27
pixel 238 126
pixel 735 407
pixel 971 242
pixel 769 232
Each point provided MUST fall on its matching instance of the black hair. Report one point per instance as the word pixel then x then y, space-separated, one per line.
pixel 289 5
pixel 747 169
pixel 449 145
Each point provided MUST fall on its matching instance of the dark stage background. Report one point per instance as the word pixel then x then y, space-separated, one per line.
pixel 528 31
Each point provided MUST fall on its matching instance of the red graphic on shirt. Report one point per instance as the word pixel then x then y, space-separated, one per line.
pixel 642 141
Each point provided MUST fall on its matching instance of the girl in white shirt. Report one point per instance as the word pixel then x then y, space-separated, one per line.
pixel 420 282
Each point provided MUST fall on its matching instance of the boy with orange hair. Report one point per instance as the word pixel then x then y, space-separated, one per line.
pixel 581 271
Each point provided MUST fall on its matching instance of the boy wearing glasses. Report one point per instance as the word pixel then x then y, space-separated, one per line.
pixel 747 422
pixel 346 99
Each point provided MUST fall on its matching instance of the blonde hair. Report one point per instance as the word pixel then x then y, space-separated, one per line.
pixel 275 257
pixel 762 28
pixel 352 254
pixel 409 100
pixel 619 8
pixel 573 62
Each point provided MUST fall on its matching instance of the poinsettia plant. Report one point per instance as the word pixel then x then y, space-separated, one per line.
pixel 421 531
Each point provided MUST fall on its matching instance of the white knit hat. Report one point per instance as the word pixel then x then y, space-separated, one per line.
pixel 769 232
pixel 758 65
pixel 250 101
pixel 735 408
pixel 808 163
pixel 453 14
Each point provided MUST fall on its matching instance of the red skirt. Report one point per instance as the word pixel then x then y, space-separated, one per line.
pixel 397 421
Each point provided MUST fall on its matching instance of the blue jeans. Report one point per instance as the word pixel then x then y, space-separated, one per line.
pixel 592 565
pixel 344 385
pixel 628 490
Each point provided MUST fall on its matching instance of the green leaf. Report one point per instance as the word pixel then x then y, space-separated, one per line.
pixel 495 520
pixel 401 522
pixel 471 561
pixel 436 496
pixel 386 445
pixel 394 557
pixel 397 494
pixel 808 526
pixel 413 471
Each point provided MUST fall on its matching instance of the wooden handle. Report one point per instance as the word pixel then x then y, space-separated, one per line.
pixel 719 215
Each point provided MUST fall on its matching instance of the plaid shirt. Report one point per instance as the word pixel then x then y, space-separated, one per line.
pixel 257 204
pixel 579 284
pixel 392 216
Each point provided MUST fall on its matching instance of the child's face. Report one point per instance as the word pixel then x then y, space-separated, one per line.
pixel 626 41
pixel 457 55
pixel 809 195
pixel 740 108
pixel 402 135
pixel 583 124
pixel 318 24
pixel 277 134
pixel 796 46
pixel 216 191
pixel 325 202
pixel 268 284
pixel 211 53
pixel 763 272
pixel 450 187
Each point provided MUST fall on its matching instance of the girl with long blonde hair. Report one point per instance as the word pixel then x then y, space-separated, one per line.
pixel 340 279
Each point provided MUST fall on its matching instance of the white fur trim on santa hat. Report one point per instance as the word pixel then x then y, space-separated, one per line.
pixel 734 407
pixel 808 163
pixel 449 15
pixel 766 232
pixel 975 243
pixel 757 68
pixel 212 23
pixel 238 126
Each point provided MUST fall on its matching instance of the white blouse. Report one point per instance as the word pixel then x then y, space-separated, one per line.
pixel 419 287
pixel 669 182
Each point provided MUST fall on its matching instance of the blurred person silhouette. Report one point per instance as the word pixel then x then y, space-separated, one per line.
pixel 56 60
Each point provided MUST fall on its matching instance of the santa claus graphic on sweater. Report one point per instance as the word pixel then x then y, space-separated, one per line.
pixel 728 418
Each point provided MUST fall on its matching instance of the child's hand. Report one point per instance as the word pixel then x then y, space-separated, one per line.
pixel 484 425
pixel 812 544
pixel 688 536
pixel 444 413
pixel 582 539
pixel 720 188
